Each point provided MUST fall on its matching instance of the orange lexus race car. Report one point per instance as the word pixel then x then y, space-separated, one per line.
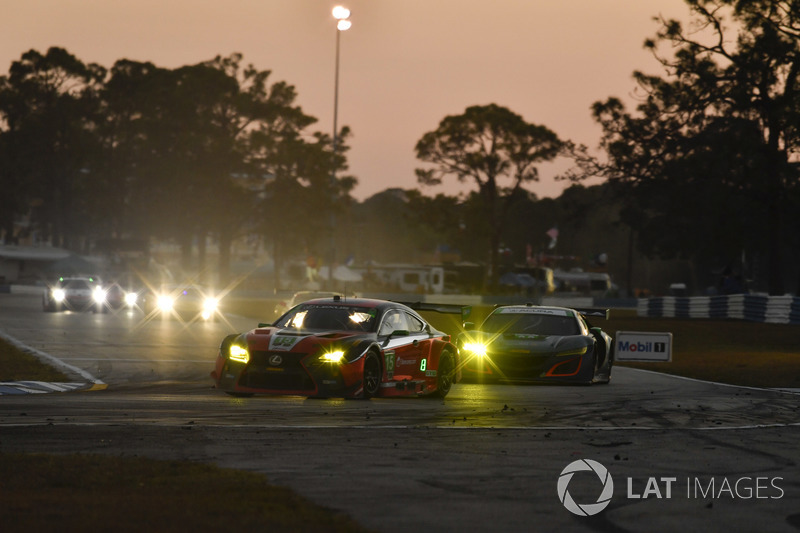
pixel 354 348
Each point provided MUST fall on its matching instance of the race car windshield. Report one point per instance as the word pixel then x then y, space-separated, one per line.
pixel 75 284
pixel 329 317
pixel 530 324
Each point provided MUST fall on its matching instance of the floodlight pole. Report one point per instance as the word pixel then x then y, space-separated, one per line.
pixel 342 16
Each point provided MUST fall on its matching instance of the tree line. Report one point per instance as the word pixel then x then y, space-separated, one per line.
pixel 703 169
pixel 138 150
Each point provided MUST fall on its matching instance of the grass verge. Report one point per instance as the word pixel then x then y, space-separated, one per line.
pixel 19 365
pixel 41 492
pixel 727 351
pixel 75 492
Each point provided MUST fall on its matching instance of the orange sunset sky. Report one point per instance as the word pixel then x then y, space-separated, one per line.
pixel 405 64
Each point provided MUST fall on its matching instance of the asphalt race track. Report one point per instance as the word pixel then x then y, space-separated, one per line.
pixel 681 454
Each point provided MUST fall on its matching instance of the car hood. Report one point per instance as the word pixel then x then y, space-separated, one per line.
pixel 278 339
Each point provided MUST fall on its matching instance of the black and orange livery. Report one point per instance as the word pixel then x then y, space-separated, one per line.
pixel 530 343
pixel 336 347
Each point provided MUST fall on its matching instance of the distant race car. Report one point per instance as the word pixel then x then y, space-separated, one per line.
pixel 353 348
pixel 74 294
pixel 124 290
pixel 187 302
pixel 118 297
pixel 518 343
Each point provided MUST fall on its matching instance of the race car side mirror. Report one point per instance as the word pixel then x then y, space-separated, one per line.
pixel 469 326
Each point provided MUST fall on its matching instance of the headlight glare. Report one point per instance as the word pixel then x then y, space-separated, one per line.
pixel 333 357
pixel 476 348
pixel 210 304
pixel 238 353
pixel 130 298
pixel 59 295
pixel 165 302
pixel 99 295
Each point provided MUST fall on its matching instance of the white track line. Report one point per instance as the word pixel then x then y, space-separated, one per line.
pixel 58 363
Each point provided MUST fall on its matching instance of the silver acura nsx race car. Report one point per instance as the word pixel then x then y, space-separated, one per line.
pixel 536 343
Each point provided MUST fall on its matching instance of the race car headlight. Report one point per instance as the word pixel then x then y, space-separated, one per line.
pixel 99 295
pixel 476 348
pixel 131 298
pixel 209 308
pixel 238 353
pixel 333 357
pixel 577 351
pixel 210 305
pixel 59 295
pixel 165 302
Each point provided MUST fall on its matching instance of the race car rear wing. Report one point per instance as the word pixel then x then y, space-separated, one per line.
pixel 603 313
pixel 584 311
pixel 464 310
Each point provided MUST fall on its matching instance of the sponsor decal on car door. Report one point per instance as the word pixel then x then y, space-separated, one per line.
pixel 411 353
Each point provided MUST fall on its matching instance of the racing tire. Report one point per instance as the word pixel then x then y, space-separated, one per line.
pixel 610 364
pixel 372 375
pixel 607 378
pixel 594 365
pixel 444 375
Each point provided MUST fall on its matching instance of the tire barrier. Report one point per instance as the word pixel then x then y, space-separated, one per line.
pixel 750 307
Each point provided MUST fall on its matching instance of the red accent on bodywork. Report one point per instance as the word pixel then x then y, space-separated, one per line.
pixel 553 372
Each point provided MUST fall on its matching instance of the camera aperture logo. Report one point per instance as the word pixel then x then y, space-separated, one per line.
pixel 587 509
pixel 659 487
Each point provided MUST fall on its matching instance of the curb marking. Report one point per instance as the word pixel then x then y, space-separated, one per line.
pixel 43 387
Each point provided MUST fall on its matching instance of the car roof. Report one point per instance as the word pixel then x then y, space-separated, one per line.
pixel 575 311
pixel 539 308
pixel 357 302
pixel 320 294
pixel 181 286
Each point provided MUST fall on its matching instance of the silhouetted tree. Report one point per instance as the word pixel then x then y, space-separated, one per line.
pixel 485 145
pixel 305 206
pixel 195 144
pixel 48 103
pixel 709 157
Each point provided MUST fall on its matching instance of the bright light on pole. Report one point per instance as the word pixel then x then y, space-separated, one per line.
pixel 342 16
pixel 341 13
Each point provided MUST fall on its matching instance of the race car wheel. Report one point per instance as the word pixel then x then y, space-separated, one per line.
pixel 444 379
pixel 595 364
pixel 609 364
pixel 372 375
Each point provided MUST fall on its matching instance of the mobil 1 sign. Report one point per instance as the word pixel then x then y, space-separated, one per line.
pixel 643 346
